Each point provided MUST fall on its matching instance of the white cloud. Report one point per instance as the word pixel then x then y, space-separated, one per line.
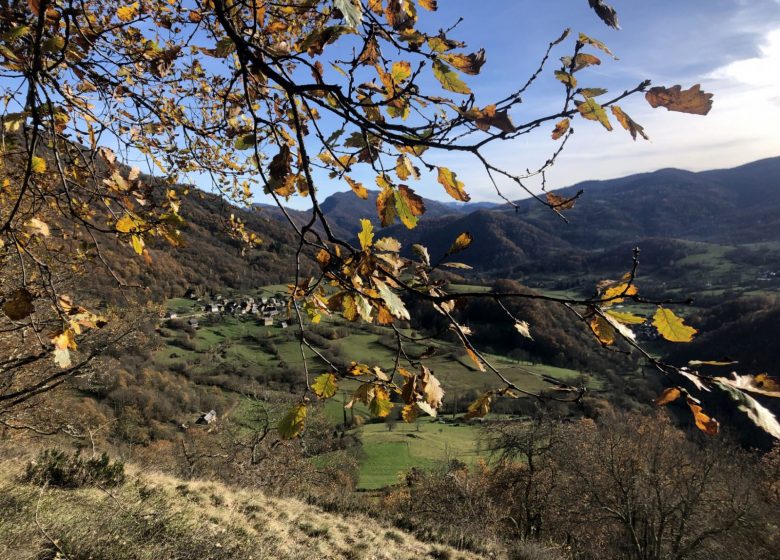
pixel 760 71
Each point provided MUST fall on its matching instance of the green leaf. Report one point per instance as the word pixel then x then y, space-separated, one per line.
pixel 671 327
pixel 449 79
pixel 291 424
pixel 408 205
pixel 380 405
pixel 245 142
pixel 325 385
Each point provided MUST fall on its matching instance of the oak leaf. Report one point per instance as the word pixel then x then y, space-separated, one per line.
pixel 452 185
pixel 448 79
pixel 671 327
pixel 325 385
pixel 560 129
pixel 691 100
pixel 669 395
pixel 628 123
pixel 292 423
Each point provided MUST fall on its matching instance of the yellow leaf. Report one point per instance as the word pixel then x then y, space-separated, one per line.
pixel 380 405
pixel 461 242
pixel 127 13
pixel 357 187
pixel 591 110
pixel 448 79
pixel 467 63
pixel 450 182
pixel 615 293
pixel 400 72
pixel 325 385
pixel 409 412
pixel 38 165
pixel 669 395
pixel 366 235
pixel 292 423
pixel 671 327
pixel 126 224
pixel 627 318
pixel 138 244
pixel 480 407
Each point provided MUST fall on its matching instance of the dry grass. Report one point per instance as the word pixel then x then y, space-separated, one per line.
pixel 157 517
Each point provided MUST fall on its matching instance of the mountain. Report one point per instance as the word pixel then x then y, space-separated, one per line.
pixel 670 210
pixel 344 210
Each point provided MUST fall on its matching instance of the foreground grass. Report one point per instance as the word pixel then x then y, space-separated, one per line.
pixel 153 517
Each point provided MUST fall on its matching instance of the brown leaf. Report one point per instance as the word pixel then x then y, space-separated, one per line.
pixel 628 123
pixel 691 100
pixel 669 395
pixel 706 424
pixel 603 330
pixel 560 129
pixel 467 63
pixel 452 185
pixel 488 117
pixel 385 205
pixel 559 202
pixel 606 13
pixel 480 407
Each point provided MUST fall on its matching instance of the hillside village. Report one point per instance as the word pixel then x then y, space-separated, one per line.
pixel 268 310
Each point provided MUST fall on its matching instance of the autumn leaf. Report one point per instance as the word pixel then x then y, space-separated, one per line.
pixel 592 92
pixel 357 188
pixel 430 5
pixel 292 423
pixel 408 205
pixel 627 318
pixel 566 79
pixel 628 123
pixel 380 405
pixel 452 185
pixel 480 407
pixel 706 424
pixel 585 40
pixel 560 129
pixel 559 202
pixel 325 385
pixel 671 327
pixel 409 413
pixel 758 413
pixel 19 305
pixel 669 395
pixel 603 330
pixel 63 343
pixel 38 165
pixel 461 242
pixel 128 12
pixel 606 13
pixel 617 293
pixel 448 79
pixel 583 60
pixel 387 244
pixel 691 100
pixel 34 226
pixel 393 302
pixel 591 110
pixel 467 63
pixel 385 205
pixel 476 359
pixel 761 384
pixel 366 235
pixel 524 329
pixel 400 71
pixel 352 10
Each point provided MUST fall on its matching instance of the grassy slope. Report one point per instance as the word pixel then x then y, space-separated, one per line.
pixel 153 516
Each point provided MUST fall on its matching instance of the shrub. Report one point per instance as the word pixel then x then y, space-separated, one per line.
pixel 57 468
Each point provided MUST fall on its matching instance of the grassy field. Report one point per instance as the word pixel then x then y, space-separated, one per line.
pixel 424 444
pixel 240 345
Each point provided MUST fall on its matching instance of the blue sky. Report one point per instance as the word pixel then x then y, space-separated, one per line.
pixel 731 47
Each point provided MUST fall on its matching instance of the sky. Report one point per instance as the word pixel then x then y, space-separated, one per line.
pixel 730 47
